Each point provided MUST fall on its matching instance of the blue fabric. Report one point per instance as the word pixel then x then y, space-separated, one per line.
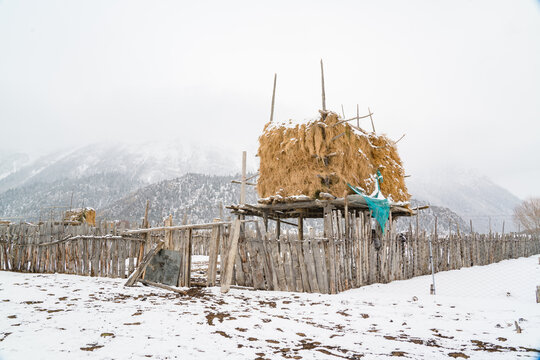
pixel 380 208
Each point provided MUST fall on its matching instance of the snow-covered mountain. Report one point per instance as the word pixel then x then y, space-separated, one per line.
pixel 10 163
pixel 118 178
pixel 195 195
pixel 473 197
pixel 147 162
pixel 45 200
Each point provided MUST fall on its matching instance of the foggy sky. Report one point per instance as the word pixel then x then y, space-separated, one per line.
pixel 460 78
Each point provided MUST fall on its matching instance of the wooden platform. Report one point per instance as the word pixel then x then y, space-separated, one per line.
pixel 312 208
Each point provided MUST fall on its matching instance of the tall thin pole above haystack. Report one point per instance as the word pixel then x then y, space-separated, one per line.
pixel 371 118
pixel 273 99
pixel 357 116
pixel 322 84
pixel 243 185
pixel 342 111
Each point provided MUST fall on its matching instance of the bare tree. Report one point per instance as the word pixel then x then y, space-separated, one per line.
pixel 528 215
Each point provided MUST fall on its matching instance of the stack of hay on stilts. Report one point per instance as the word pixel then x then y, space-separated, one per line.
pixel 321 157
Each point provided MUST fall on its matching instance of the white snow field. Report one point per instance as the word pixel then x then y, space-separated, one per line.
pixel 473 315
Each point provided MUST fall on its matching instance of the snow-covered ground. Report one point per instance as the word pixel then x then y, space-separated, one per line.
pixel 472 316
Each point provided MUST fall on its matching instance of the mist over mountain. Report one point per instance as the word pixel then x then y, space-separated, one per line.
pixel 147 162
pixel 11 163
pixel 473 197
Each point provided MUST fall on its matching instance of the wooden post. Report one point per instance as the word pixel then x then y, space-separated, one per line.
pixel 278 228
pixel 168 234
pixel 231 256
pixel 273 99
pixel 342 111
pixel 432 288
pixel 213 255
pixel 147 236
pixel 243 185
pixel 322 84
pixel 357 116
pixel 346 210
pixel 300 228
pixel 538 294
pixel 371 118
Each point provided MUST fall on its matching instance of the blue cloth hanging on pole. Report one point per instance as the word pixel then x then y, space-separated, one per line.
pixel 380 208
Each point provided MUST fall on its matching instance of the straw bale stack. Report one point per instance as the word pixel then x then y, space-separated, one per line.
pixel 323 156
pixel 86 215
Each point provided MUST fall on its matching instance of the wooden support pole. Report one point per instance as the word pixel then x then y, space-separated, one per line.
pixel 144 225
pixel 322 84
pixel 357 116
pixel 273 99
pixel 243 185
pixel 168 234
pixel 342 111
pixel 300 228
pixel 346 213
pixel 278 228
pixel 371 118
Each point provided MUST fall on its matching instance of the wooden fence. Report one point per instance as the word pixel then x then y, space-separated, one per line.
pixel 345 256
pixel 348 257
pixel 55 247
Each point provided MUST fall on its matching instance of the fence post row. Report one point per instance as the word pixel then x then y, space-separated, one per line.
pixel 344 257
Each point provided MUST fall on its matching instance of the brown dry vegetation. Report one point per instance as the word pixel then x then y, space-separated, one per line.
pixel 323 156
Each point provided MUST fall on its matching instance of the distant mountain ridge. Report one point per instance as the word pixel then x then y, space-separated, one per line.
pixel 475 198
pixel 117 179
pixel 198 196
pixel 147 162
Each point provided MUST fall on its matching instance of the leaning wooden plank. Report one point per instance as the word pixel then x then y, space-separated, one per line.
pixel 181 227
pixel 231 255
pixel 161 286
pixel 137 273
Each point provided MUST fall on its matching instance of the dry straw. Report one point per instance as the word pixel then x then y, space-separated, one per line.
pixel 323 156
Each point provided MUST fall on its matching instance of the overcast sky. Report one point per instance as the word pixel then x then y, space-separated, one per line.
pixel 460 78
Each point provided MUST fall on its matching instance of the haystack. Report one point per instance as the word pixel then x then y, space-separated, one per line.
pixel 85 215
pixel 323 156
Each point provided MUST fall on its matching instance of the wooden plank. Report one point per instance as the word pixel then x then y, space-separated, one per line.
pixel 288 265
pixel 266 267
pixel 311 272
pixel 282 277
pixel 298 267
pixel 122 256
pixel 213 255
pixel 271 275
pixel 319 259
pixel 227 276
